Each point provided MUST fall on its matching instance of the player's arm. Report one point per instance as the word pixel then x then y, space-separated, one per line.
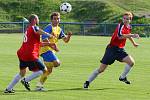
pixel 66 39
pixel 37 30
pixel 40 31
pixel 129 36
pixel 46 42
pixel 133 42
pixel 123 36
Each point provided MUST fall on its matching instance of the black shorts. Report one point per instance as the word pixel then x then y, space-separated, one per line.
pixel 113 53
pixel 32 65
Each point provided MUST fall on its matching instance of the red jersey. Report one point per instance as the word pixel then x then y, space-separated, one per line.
pixel 29 50
pixel 121 29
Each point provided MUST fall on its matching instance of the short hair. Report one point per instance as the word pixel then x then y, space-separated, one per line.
pixel 130 14
pixel 54 14
pixel 31 17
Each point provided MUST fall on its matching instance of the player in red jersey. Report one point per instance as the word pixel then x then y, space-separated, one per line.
pixel 28 55
pixel 115 50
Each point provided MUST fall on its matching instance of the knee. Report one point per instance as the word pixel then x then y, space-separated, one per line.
pixel 22 74
pixel 132 64
pixel 56 63
pixel 102 68
pixel 130 61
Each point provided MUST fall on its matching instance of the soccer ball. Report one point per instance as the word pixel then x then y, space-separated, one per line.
pixel 65 8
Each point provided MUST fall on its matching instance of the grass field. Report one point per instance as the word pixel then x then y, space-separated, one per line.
pixel 79 58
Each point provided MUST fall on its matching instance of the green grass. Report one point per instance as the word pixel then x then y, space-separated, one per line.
pixel 79 58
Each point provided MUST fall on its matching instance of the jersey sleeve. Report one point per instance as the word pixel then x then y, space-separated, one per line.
pixel 35 28
pixel 120 28
pixel 62 34
pixel 47 29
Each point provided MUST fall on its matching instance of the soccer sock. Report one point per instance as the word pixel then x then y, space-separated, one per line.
pixel 126 71
pixel 45 74
pixel 14 82
pixel 33 75
pixel 93 75
pixel 43 77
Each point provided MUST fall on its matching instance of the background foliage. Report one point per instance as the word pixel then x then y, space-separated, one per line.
pixel 83 10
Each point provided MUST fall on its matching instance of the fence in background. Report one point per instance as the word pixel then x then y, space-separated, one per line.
pixel 98 29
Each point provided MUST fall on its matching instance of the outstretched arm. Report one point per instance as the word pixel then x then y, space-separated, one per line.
pixel 133 42
pixel 40 31
pixel 67 38
pixel 129 36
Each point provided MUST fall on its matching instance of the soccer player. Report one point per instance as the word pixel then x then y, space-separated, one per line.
pixel 48 52
pixel 28 55
pixel 115 50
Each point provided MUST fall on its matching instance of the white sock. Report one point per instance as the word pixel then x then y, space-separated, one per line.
pixel 93 75
pixel 126 71
pixel 33 75
pixel 14 82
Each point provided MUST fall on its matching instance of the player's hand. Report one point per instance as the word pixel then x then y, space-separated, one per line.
pixel 51 36
pixel 136 45
pixel 42 44
pixel 54 47
pixel 69 33
pixel 136 36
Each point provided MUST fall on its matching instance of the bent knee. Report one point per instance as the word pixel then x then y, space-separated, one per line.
pixel 131 63
pixel 129 60
pixel 56 63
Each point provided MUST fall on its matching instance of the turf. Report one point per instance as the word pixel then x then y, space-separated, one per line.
pixel 78 59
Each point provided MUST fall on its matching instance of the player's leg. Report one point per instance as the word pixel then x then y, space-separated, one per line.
pixel 16 79
pixel 108 59
pixel 11 85
pixel 129 64
pixel 50 60
pixel 38 68
pixel 36 73
pixel 50 66
pixel 56 63
pixel 95 74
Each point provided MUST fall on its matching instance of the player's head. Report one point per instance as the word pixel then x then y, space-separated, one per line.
pixel 55 18
pixel 127 17
pixel 33 19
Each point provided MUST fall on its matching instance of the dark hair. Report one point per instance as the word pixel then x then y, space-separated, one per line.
pixel 55 14
pixel 31 17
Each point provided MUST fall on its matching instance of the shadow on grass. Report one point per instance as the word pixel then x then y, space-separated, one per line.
pixel 55 90
pixel 78 89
